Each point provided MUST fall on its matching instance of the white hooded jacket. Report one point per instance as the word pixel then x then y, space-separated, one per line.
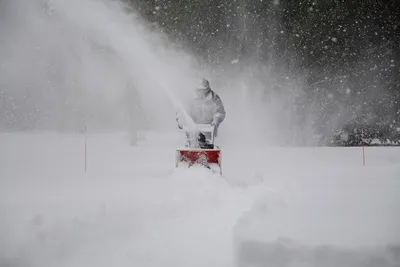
pixel 206 109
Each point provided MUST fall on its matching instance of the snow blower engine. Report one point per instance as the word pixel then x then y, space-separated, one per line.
pixel 200 149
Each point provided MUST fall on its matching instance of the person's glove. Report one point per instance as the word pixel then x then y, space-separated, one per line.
pixel 214 123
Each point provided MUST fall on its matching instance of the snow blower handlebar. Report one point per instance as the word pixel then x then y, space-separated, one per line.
pixel 206 129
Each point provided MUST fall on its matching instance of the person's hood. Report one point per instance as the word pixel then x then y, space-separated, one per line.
pixel 203 89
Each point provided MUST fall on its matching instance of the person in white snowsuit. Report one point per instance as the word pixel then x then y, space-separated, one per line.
pixel 206 107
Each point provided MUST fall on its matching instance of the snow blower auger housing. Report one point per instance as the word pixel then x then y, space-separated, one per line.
pixel 200 149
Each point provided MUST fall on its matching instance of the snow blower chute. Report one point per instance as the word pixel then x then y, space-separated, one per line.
pixel 200 149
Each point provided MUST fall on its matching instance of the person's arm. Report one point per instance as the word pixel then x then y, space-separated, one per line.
pixel 178 120
pixel 220 113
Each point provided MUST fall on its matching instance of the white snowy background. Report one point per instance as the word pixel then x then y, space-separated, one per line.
pixel 64 68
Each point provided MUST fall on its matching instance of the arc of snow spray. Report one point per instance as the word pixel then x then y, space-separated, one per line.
pixel 177 104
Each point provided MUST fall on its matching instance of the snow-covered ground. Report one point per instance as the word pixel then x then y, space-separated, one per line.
pixel 93 62
pixel 271 207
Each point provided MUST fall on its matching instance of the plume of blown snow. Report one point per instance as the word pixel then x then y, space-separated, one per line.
pixel 66 64
pixel 93 61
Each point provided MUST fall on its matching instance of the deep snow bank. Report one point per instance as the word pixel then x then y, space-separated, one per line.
pixel 133 208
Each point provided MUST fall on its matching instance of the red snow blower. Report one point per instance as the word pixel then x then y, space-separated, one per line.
pixel 200 149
